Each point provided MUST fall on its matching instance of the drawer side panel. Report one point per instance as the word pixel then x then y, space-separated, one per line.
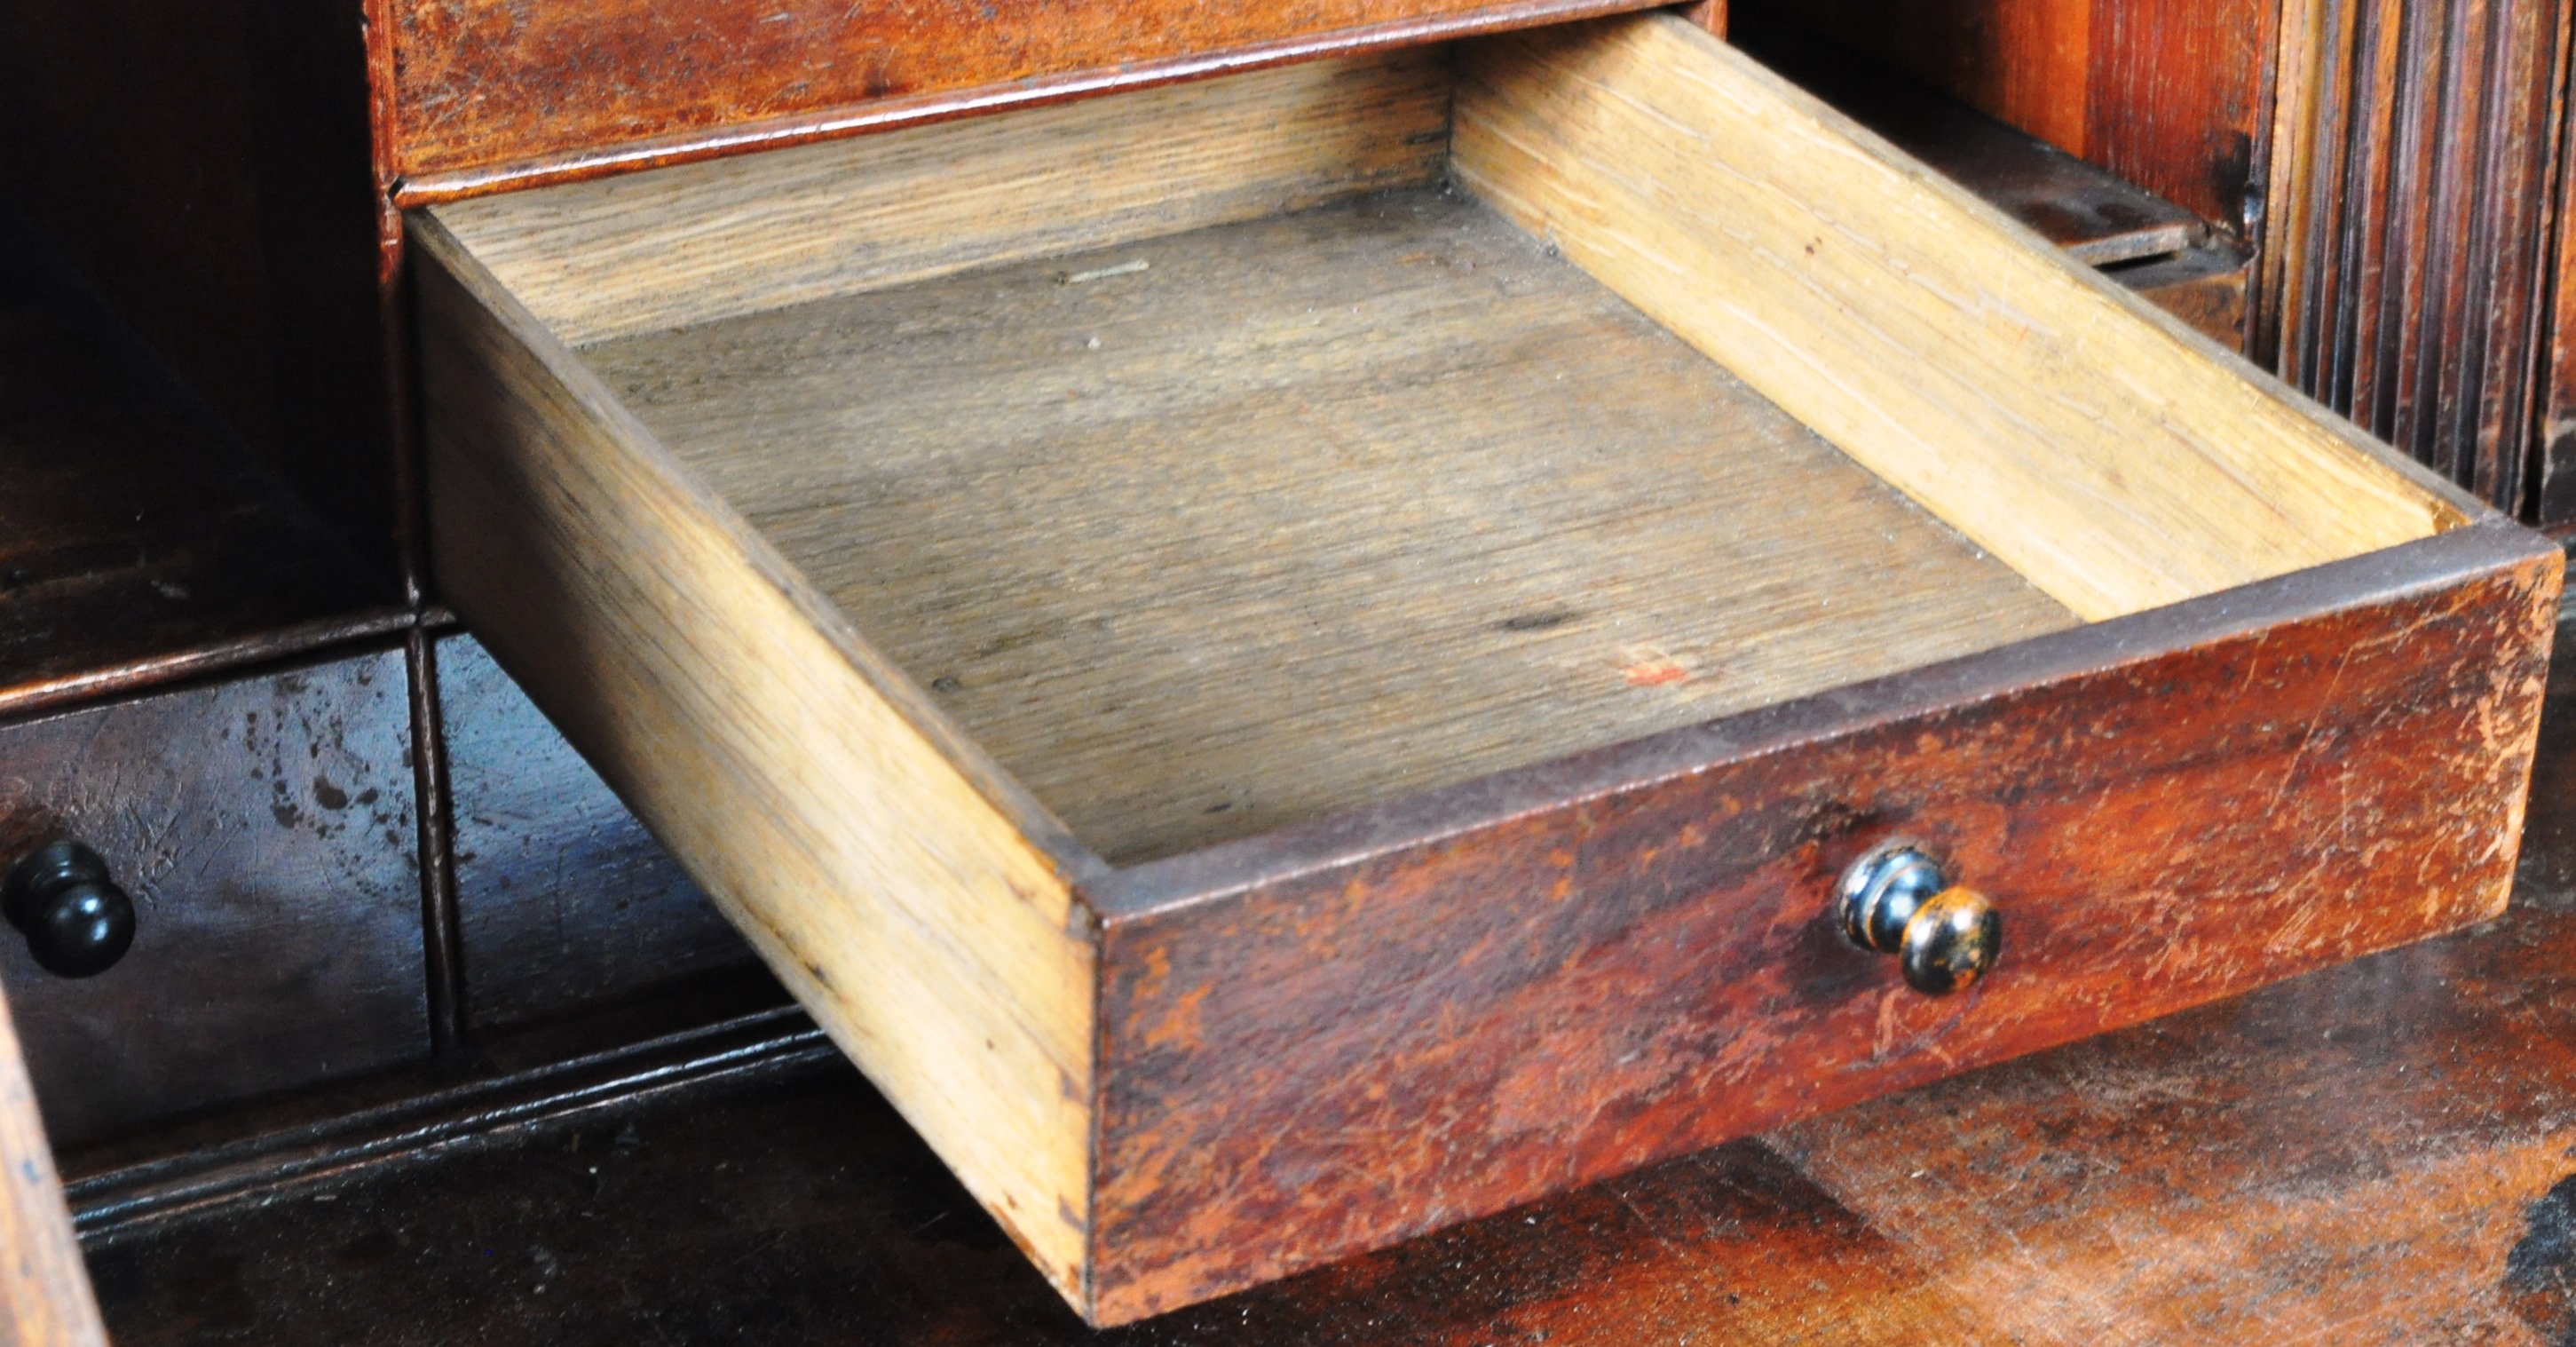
pixel 1540 995
pixel 917 921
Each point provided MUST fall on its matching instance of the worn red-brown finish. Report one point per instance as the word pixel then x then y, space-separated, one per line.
pixel 490 92
pixel 2178 98
pixel 2170 94
pixel 1341 1036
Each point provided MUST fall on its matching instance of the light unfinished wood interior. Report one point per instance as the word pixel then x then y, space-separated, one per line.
pixel 1218 457
pixel 905 524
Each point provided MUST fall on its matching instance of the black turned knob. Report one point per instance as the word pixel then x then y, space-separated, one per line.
pixel 78 923
pixel 1896 900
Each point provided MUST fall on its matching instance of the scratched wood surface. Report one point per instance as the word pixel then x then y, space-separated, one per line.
pixel 1213 533
pixel 2374 1153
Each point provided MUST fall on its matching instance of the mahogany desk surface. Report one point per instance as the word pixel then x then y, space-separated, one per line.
pixel 2384 1152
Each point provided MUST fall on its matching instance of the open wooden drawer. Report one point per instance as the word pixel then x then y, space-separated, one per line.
pixel 1290 660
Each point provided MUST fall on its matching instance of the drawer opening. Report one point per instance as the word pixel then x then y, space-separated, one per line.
pixel 1224 455
pixel 975 549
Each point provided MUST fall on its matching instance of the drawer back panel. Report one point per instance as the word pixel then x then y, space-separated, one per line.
pixel 493 91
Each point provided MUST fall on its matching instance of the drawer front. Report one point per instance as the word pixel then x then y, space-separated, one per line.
pixel 486 91
pixel 265 832
pixel 564 901
pixel 1636 955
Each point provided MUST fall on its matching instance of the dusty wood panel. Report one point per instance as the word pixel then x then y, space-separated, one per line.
pixel 1399 1020
pixel 488 93
pixel 564 902
pixel 606 259
pixel 821 804
pixel 265 830
pixel 1251 524
pixel 2098 447
pixel 44 1288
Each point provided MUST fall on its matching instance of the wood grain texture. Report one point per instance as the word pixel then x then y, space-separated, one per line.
pixel 44 1288
pixel 1333 1038
pixel 820 802
pixel 1297 1044
pixel 2027 63
pixel 265 829
pixel 2406 275
pixel 487 94
pixel 600 260
pixel 2114 457
pixel 1285 517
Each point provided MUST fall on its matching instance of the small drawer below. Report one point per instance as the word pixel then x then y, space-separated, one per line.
pixel 265 834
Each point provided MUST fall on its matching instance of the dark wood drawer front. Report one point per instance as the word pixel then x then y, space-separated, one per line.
pixel 1392 1034
pixel 488 90
pixel 564 900
pixel 265 830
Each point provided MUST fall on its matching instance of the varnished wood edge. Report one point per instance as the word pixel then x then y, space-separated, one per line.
pixel 427 188
pixel 1032 819
pixel 162 672
pixel 2489 546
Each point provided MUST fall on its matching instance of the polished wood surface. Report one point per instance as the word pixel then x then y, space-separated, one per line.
pixel 485 96
pixel 44 1287
pixel 2169 94
pixel 265 829
pixel 1291 516
pixel 2407 261
pixel 2115 458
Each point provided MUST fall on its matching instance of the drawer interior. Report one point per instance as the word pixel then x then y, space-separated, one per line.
pixel 1224 455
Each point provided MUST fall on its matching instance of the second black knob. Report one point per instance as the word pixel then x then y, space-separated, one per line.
pixel 78 923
